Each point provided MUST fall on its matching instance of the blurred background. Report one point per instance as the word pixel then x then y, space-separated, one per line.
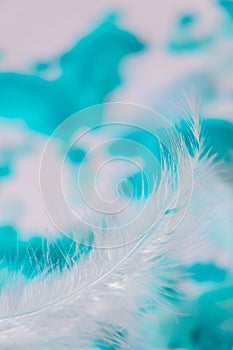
pixel 58 57
pixel 182 41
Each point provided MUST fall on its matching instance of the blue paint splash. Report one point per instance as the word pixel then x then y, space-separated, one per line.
pixel 38 255
pixel 228 7
pixel 89 73
pixel 183 39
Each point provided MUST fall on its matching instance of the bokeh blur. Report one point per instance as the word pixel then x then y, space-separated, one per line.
pixel 58 57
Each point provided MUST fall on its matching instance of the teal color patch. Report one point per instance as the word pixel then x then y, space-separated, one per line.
pixel 38 255
pixel 184 39
pixel 228 6
pixel 207 272
pixel 89 72
pixel 218 136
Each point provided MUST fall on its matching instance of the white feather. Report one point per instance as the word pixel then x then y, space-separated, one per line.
pixel 109 295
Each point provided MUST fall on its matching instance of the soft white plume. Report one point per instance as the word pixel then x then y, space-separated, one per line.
pixel 109 295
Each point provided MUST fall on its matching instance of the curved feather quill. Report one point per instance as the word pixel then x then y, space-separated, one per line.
pixel 105 299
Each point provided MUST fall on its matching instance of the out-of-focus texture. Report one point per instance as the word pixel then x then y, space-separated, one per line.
pixel 59 58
